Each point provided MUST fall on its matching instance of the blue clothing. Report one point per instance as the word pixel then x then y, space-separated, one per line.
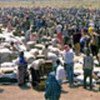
pixel 53 89
pixel 70 73
pixel 22 70
pixel 22 60
pixel 38 23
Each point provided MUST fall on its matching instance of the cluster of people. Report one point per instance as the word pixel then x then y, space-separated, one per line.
pixel 74 30
pixel 55 80
pixel 82 26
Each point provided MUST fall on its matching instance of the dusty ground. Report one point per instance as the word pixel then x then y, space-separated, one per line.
pixel 11 92
pixel 53 3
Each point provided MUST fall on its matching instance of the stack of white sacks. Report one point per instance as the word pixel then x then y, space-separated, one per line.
pixel 31 50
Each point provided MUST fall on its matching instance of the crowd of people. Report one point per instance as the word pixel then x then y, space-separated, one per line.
pixel 49 21
pixel 74 31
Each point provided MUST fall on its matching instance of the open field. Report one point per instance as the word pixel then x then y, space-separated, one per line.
pixel 52 3
pixel 16 93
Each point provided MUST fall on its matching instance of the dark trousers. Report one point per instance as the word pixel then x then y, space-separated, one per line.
pixel 88 73
pixel 35 77
pixel 22 72
pixel 94 50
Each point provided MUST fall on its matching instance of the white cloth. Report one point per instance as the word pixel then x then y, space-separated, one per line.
pixel 45 52
pixel 69 56
pixel 60 73
pixel 58 28
pixel 53 57
pixel 36 64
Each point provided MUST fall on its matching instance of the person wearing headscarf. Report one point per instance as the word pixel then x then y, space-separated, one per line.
pixel 91 30
pixel 59 33
pixel 22 69
pixel 53 88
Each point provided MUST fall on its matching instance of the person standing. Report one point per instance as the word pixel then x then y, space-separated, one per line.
pixel 88 68
pixel 22 69
pixel 76 41
pixel 34 72
pixel 59 33
pixel 69 64
pixel 94 46
pixel 45 51
pixel 60 72
pixel 53 88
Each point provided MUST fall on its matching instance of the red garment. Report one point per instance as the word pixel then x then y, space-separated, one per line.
pixel 60 38
pixel 33 37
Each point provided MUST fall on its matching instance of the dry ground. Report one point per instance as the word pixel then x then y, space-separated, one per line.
pixel 15 93
pixel 53 3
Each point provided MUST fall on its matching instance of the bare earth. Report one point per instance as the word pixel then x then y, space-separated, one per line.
pixel 11 92
pixel 52 3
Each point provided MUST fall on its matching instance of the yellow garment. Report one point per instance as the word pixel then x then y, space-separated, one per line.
pixel 90 30
pixel 77 48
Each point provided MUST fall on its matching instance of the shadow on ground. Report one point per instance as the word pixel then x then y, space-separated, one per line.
pixel 25 87
pixel 1 90
pixel 64 92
